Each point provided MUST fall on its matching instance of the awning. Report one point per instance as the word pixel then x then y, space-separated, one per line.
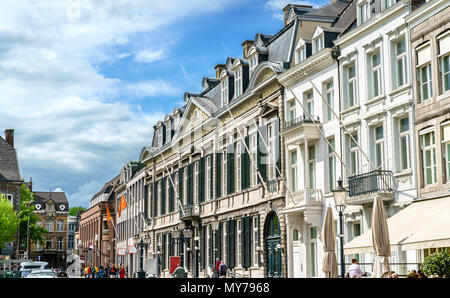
pixel 423 224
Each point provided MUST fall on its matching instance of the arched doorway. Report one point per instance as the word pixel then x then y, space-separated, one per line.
pixel 272 240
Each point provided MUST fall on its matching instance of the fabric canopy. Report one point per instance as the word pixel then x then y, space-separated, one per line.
pixel 423 224
pixel 329 266
pixel 380 240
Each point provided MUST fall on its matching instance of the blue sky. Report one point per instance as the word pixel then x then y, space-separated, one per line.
pixel 83 82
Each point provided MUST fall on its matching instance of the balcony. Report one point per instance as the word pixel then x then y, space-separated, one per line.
pixel 362 188
pixel 190 212
pixel 272 185
pixel 301 128
pixel 304 198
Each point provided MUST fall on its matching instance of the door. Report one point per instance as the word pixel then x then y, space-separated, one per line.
pixel 273 242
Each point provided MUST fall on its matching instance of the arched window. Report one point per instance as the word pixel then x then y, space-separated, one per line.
pixel 273 226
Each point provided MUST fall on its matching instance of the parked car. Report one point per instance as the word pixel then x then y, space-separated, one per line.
pixel 45 273
pixel 27 267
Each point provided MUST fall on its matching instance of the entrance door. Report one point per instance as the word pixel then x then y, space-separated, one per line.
pixel 273 239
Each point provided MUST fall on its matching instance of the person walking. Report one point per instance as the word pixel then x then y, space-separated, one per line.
pixel 216 268
pixel 179 272
pixel 223 269
pixel 354 270
pixel 100 272
pixel 113 271
pixel 121 271
pixel 107 269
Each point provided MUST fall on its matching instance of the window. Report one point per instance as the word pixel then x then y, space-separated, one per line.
pixel 313 251
pixel 445 73
pixel 208 257
pixel 49 225
pixel 49 244
pixel 389 3
pixel 255 241
pixel 294 179
pixel 225 243
pixel 319 43
pixel 400 63
pixel 185 185
pixel 237 165
pixel 224 173
pixel 196 184
pixel 295 235
pixel 224 91
pixel 444 54
pixel 160 199
pixel 60 243
pixel 446 147
pixel 350 88
pixel 253 149
pixel 375 63
pixel 331 165
pixel 271 162
pixel 291 110
pixel 426 90
pixel 160 137
pixel 60 226
pixel 9 197
pixel 353 160
pixel 301 54
pixel 329 89
pixel 239 242
pixel 364 13
pixel 253 62
pixel 404 143
pixel 429 158
pixel 379 147
pixel 312 166
pixel 50 207
pixel 238 82
pixel 309 103
pixel 208 178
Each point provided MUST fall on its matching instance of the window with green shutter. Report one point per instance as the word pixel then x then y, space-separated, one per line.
pixel 201 182
pixel 218 175
pixel 262 153
pixel 146 201
pixel 163 196
pixel 231 233
pixel 247 243
pixel 211 173
pixel 230 169
pixel 155 199
pixel 190 184
pixel 277 147
pixel 180 185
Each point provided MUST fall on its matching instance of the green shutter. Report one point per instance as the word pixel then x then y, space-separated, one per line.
pixel 259 237
pixel 163 196
pixel 218 175
pixel 277 147
pixel 202 246
pixel 211 249
pixel 247 242
pixel 170 245
pixel 180 185
pixel 211 160
pixel 155 203
pixel 163 252
pixel 232 243
pixel 202 180
pixel 230 169
pixel 190 184
pixel 145 201
pixel 262 152
pixel 171 193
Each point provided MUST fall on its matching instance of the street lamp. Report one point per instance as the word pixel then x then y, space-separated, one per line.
pixel 215 226
pixel 340 197
pixel 141 245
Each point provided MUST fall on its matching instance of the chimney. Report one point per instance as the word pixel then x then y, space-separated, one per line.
pixel 246 45
pixel 219 68
pixel 9 137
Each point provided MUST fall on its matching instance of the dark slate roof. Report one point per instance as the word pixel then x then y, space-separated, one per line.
pixel 280 47
pixel 9 166
pixel 108 187
pixel 347 17
pixel 61 202
pixel 332 9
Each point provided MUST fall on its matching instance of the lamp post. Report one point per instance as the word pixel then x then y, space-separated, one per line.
pixel 215 226
pixel 340 197
pixel 159 260
pixel 141 245
pixel 187 234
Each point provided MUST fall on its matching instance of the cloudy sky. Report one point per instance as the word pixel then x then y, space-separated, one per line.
pixel 83 82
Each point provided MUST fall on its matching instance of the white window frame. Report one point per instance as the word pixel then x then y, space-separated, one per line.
pixel 208 178
pixel 313 246
pixel 432 149
pixel 350 86
pixel 319 42
pixel 253 139
pixel 60 243
pixel 160 136
pixel 444 73
pixel 329 92
pixel 400 64
pixel 332 167
pixel 404 136
pixel 292 110
pixel 239 242
pixel 271 133
pixel 311 167
pixel 255 241
pixel 378 143
pixel 49 226
pixel 185 186
pixel 238 82
pixel 225 94
pixel 375 75
pixel 446 150
pixel 425 82
pixel 354 154
pixel 253 62
pixel 300 54
pixel 363 12
pixel 309 102
pixel 294 170
pixel 237 165
pixel 60 225
pixel 224 174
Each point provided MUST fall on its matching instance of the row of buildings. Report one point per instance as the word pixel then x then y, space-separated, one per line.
pixel 244 170
pixel 52 209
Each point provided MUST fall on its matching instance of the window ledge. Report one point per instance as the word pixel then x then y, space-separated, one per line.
pixel 444 95
pixel 351 109
pixel 400 89
pixel 375 99
pixel 403 173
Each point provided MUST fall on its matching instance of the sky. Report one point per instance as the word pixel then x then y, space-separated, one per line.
pixel 83 82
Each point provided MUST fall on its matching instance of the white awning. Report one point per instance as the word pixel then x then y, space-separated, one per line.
pixel 423 224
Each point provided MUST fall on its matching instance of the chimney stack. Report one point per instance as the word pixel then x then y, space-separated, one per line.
pixel 9 137
pixel 219 68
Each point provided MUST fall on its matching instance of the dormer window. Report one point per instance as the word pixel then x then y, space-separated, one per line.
pixel 224 91
pixel 300 54
pixel 364 12
pixel 238 82
pixel 253 62
pixel 319 43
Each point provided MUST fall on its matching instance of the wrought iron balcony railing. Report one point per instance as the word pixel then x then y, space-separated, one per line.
pixel 372 182
pixel 302 119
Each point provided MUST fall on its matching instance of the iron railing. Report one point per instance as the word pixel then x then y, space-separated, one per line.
pixel 189 210
pixel 372 182
pixel 302 119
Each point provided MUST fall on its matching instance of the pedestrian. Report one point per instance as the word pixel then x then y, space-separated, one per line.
pixel 179 272
pixel 354 271
pixel 223 269
pixel 121 271
pixel 113 271
pixel 107 269
pixel 117 269
pixel 420 274
pixel 394 274
pixel 100 272
pixel 412 274
pixel 216 269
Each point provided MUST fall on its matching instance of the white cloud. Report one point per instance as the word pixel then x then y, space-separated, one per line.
pixel 72 130
pixel 277 6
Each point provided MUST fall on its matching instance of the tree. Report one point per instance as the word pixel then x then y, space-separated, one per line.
pixel 74 210
pixel 437 264
pixel 29 228
pixel 9 221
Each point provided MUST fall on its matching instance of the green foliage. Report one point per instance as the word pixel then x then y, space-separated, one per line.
pixel 29 220
pixel 9 221
pixel 74 210
pixel 437 264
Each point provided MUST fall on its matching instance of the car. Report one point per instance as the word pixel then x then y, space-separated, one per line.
pixel 45 273
pixel 27 267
